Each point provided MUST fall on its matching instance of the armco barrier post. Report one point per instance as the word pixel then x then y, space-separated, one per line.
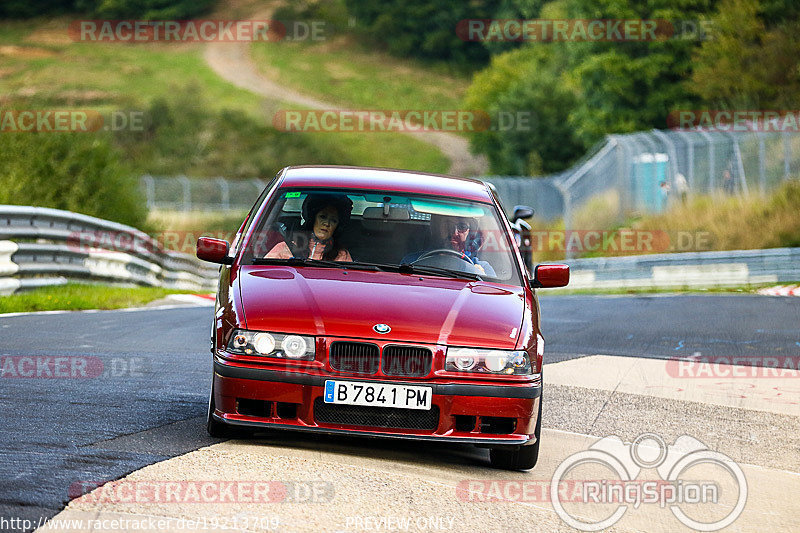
pixel 224 191
pixel 187 193
pixel 787 154
pixel 712 178
pixel 762 163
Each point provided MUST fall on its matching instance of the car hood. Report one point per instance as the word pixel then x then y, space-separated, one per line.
pixel 348 303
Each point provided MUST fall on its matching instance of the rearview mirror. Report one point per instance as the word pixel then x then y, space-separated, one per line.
pixel 521 211
pixel 548 276
pixel 213 250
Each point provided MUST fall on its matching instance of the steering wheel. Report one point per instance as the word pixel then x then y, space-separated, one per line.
pixel 442 251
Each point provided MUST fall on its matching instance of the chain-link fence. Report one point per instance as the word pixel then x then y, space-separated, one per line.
pixel 179 193
pixel 647 171
pixel 639 172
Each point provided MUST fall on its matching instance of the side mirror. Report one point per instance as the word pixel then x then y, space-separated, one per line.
pixel 213 251
pixel 521 211
pixel 545 276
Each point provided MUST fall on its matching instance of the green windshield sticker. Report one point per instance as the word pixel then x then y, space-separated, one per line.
pixel 295 194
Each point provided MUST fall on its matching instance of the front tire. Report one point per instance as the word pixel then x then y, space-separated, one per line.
pixel 520 457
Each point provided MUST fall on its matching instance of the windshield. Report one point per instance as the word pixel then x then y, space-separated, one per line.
pixel 411 233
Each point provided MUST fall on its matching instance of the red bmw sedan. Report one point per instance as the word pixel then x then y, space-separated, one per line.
pixel 379 302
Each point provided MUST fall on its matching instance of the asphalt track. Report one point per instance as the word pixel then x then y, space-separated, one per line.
pixel 149 403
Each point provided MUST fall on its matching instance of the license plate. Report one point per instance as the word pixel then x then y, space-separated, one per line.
pixel 378 394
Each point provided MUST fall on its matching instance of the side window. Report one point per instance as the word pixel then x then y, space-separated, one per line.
pixel 248 221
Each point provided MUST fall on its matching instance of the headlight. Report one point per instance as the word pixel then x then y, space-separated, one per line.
pixel 464 359
pixel 297 347
pixel 294 346
pixel 478 360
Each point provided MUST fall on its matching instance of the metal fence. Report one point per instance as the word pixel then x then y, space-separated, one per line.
pixel 41 246
pixel 696 269
pixel 647 171
pixel 180 193
pixel 639 172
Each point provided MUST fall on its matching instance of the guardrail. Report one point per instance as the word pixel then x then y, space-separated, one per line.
pixel 695 269
pixel 41 246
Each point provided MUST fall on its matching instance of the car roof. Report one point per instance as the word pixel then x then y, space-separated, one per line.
pixel 385 179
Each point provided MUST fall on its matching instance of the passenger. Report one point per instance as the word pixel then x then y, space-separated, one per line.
pixel 324 216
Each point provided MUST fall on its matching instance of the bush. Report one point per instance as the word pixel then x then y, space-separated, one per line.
pixel 735 223
pixel 78 172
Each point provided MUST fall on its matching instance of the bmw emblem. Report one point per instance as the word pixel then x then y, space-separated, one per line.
pixel 381 328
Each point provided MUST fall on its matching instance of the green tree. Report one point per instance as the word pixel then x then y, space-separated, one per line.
pixel 582 91
pixel 753 61
pixel 517 84
pixel 426 29
pixel 78 172
pixel 633 85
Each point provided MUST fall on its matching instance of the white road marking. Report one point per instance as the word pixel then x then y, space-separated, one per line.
pixel 773 390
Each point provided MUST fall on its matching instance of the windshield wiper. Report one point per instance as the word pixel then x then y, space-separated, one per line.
pixel 296 261
pixel 405 268
pixel 410 268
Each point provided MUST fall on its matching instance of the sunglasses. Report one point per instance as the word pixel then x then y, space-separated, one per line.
pixel 460 227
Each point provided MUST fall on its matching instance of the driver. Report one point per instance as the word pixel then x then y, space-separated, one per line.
pixel 458 234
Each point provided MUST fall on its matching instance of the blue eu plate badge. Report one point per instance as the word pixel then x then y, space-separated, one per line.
pixel 329 391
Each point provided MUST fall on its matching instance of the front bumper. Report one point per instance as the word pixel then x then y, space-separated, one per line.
pixel 469 413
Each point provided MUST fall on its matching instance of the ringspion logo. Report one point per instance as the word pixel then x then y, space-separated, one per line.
pixel 691 477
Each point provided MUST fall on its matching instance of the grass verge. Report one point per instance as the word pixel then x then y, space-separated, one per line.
pixel 40 67
pixel 341 71
pixel 77 296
